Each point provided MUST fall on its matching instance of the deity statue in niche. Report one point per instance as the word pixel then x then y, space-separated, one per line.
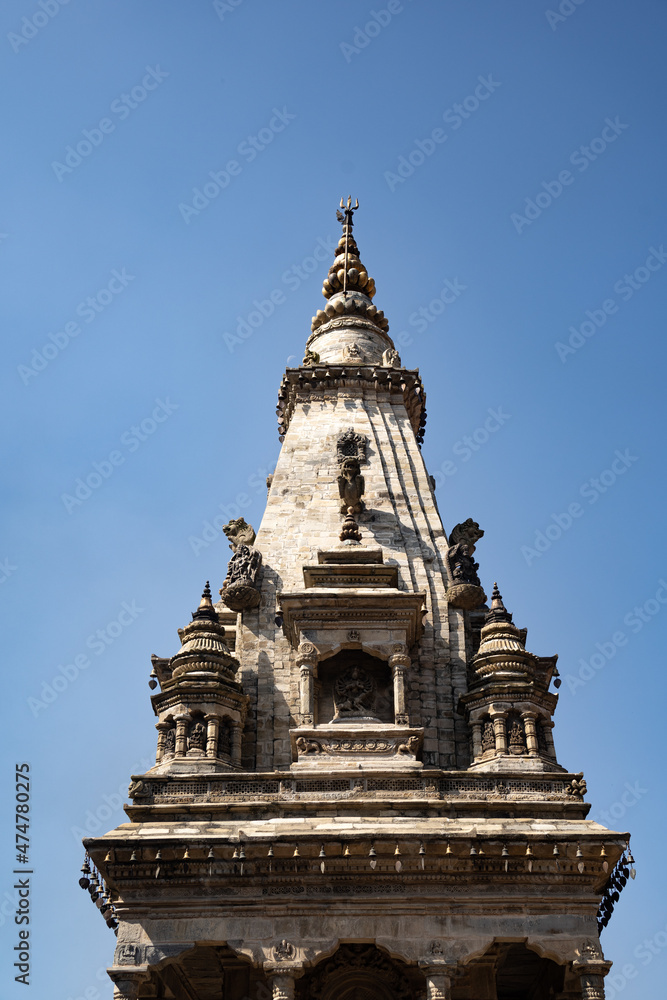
pixel 354 694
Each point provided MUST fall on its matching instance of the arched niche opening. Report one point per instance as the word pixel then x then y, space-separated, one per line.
pixel 354 687
pixel 361 972
pixel 512 971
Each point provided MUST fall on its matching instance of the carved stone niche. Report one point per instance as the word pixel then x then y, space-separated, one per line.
pixel 351 445
pixel 354 687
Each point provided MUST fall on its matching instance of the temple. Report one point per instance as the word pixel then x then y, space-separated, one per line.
pixel 356 792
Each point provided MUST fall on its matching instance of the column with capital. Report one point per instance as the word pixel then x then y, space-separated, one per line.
pixel 127 984
pixel 399 662
pixel 162 730
pixel 592 968
pixel 529 724
pixel 500 730
pixel 307 662
pixel 438 981
pixel 476 739
pixel 212 729
pixel 237 740
pixel 182 722
pixel 282 987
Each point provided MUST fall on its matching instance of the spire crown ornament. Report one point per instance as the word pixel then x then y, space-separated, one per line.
pixel 349 291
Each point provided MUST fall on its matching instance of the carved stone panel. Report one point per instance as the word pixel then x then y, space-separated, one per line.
pixel 354 686
pixel 351 445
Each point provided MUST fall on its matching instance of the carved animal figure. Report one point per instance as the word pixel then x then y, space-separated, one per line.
pixel 461 547
pixel 391 358
pixel 239 533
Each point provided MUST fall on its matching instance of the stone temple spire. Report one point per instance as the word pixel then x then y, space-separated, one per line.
pixel 350 328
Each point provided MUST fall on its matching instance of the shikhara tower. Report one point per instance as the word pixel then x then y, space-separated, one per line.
pixel 356 792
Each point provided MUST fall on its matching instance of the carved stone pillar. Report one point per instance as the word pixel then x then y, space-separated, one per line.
pixel 162 730
pixel 592 986
pixel 592 968
pixel 531 732
pixel 547 730
pixel 212 730
pixel 237 739
pixel 500 730
pixel 476 739
pixel 399 663
pixel 282 986
pixel 438 982
pixel 127 984
pixel 182 734
pixel 307 662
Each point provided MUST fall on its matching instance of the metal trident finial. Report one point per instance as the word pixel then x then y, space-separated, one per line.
pixel 347 228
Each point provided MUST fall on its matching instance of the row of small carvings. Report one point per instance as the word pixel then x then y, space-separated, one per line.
pixel 168 788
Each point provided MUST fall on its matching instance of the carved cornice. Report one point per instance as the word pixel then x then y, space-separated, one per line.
pixel 308 383
pixel 320 611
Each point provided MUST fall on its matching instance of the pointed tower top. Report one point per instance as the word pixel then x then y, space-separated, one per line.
pixel 205 609
pixel 497 612
pixel 357 329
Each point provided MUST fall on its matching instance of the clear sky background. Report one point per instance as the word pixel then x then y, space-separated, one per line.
pixel 344 111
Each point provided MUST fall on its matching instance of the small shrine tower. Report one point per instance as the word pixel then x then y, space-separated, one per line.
pixel 356 793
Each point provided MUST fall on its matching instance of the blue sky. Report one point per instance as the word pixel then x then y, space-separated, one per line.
pixel 129 271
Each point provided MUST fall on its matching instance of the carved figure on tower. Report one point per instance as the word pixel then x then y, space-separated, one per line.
pixel 241 587
pixel 351 486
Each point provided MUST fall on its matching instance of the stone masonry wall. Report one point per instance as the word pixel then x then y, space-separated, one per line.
pixel 303 515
